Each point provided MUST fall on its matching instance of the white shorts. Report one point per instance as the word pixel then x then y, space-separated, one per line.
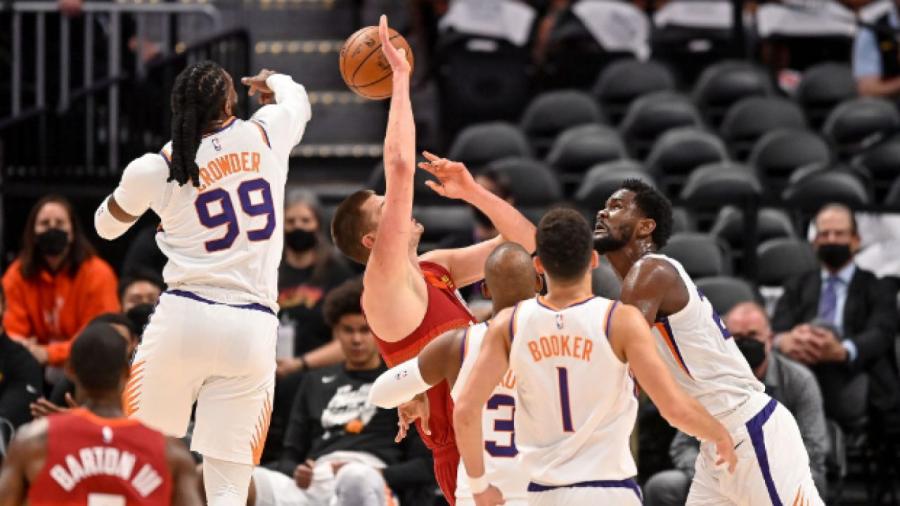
pixel 221 356
pixel 772 469
pixel 588 493
pixel 468 501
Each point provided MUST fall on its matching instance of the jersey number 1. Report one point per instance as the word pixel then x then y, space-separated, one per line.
pixel 228 217
pixel 566 410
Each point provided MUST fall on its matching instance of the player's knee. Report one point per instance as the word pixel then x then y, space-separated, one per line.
pixel 359 485
pixel 667 488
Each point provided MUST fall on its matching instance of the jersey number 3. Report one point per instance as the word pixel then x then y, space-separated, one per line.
pixel 226 216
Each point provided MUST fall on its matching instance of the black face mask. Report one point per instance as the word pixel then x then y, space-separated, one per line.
pixel 834 255
pixel 301 240
pixel 140 316
pixel 52 242
pixel 754 351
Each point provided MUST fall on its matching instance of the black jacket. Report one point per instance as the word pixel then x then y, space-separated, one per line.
pixel 870 321
pixel 21 381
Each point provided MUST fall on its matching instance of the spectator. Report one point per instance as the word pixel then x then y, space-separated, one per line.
pixel 876 54
pixel 57 284
pixel 841 321
pixel 139 293
pixel 792 384
pixel 21 381
pixel 338 445
pixel 309 270
pixel 143 253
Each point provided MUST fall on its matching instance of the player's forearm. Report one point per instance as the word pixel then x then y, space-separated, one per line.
pixel 511 224
pixel 290 94
pixel 690 417
pixel 469 438
pixel 398 385
pixel 400 137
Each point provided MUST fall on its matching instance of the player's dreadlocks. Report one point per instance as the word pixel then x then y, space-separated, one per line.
pixel 198 98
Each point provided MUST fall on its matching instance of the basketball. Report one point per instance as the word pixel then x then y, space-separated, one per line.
pixel 363 65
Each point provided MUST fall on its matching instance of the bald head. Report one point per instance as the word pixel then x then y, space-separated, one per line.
pixel 748 318
pixel 509 274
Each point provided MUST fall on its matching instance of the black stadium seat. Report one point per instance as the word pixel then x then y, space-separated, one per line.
pixel 624 81
pixel 882 162
pixel 580 147
pixel 725 83
pixel 810 189
pixel 779 153
pixel 822 87
pixel 770 223
pixel 725 292
pixel 551 112
pixel 782 258
pixel 652 115
pixel 532 182
pixel 701 255
pixel 679 151
pixel 441 221
pixel 893 196
pixel 859 123
pixel 753 117
pixel 721 184
pixel 478 145
pixel 602 180
pixel 422 193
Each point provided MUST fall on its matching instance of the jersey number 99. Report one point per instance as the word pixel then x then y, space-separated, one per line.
pixel 228 218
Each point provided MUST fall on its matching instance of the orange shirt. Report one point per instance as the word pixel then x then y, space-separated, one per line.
pixel 55 307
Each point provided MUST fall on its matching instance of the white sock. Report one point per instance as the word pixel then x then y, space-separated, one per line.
pixel 226 483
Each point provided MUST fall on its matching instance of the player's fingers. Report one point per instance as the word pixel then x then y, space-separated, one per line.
pixel 431 157
pixel 383 30
pixel 427 167
pixel 71 401
pixel 437 188
pixel 425 427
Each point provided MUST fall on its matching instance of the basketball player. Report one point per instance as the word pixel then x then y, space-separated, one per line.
pixel 93 455
pixel 701 355
pixel 218 188
pixel 509 277
pixel 572 355
pixel 410 300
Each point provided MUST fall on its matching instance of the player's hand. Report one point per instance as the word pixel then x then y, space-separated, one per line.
pixel 727 456
pixel 395 57
pixel 303 474
pixel 490 497
pixel 454 179
pixel 257 84
pixel 43 407
pixel 409 412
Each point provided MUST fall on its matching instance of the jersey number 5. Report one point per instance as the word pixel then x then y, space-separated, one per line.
pixel 227 217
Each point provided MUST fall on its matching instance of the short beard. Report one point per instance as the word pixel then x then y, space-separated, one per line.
pixel 608 244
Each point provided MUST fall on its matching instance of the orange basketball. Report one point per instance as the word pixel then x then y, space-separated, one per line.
pixel 363 65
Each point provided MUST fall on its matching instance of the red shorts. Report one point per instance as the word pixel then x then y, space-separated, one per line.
pixel 446 463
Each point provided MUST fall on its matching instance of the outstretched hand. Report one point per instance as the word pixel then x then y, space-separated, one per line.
pixel 258 84
pixel 395 57
pixel 409 412
pixel 454 180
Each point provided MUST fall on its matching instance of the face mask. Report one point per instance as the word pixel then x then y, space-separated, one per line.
pixel 754 351
pixel 52 242
pixel 300 240
pixel 834 255
pixel 140 316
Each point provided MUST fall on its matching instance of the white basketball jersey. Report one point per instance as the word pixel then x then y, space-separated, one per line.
pixel 502 467
pixel 701 354
pixel 224 238
pixel 577 403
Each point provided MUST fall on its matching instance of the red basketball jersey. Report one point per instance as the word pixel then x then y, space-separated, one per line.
pixel 94 461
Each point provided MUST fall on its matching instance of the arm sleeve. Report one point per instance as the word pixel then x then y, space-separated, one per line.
pixel 143 184
pixel 878 335
pixel 284 121
pixel 415 469
pixel 866 57
pixel 21 386
pixel 297 436
pixel 683 451
pixel 398 385
pixel 810 415
pixel 15 317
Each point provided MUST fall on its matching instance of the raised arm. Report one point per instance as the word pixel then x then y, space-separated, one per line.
pixel 632 342
pixel 143 180
pixel 491 365
pixel 285 112
pixel 466 265
pixel 186 483
pixel 438 361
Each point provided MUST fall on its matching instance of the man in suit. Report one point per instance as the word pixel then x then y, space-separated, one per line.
pixel 841 321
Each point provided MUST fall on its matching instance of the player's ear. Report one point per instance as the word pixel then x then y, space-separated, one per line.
pixel 645 227
pixel 595 260
pixel 538 283
pixel 485 291
pixel 538 265
pixel 368 240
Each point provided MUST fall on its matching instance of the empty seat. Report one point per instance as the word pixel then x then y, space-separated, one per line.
pixel 725 292
pixel 701 255
pixel 440 221
pixel 752 117
pixel 625 80
pixel 652 115
pixel 683 220
pixel 679 151
pixel 822 87
pixel 814 187
pixel 478 145
pixel 725 83
pixel 422 193
pixel 580 147
pixel 893 196
pixel 532 183
pixel 782 258
pixel 882 162
pixel 721 184
pixel 777 154
pixel 551 112
pixel 859 123
pixel 604 179
pixel 770 223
